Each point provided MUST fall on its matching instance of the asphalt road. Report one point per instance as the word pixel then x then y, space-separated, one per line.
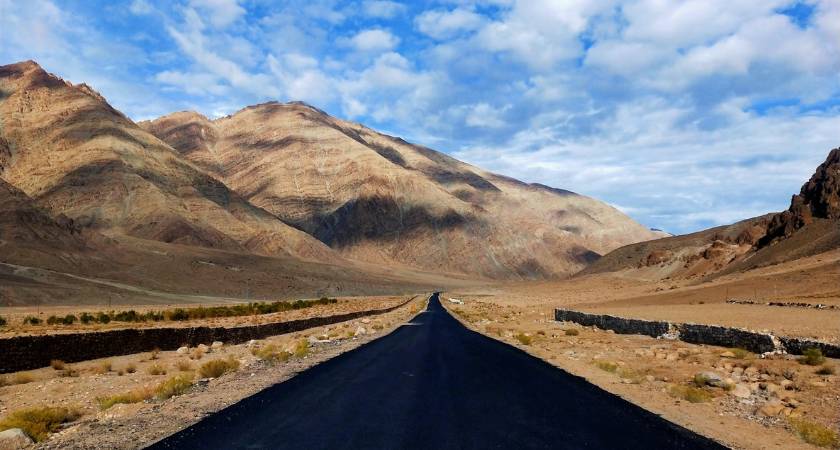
pixel 433 384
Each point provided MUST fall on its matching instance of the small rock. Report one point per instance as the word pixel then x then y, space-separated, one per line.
pixel 650 378
pixel 365 320
pixel 216 345
pixel 727 354
pixel 710 378
pixel 771 409
pixel 360 331
pixel 14 438
pixel 182 350
pixel 741 391
pixel 203 348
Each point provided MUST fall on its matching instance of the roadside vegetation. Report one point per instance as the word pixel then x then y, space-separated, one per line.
pixel 812 357
pixel 814 433
pixel 178 314
pixel 218 367
pixel 38 423
pixel 271 353
pixel 690 393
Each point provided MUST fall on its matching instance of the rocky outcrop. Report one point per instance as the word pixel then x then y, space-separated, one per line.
pixel 819 198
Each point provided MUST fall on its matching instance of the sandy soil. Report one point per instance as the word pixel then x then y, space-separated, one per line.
pixel 129 426
pixel 644 370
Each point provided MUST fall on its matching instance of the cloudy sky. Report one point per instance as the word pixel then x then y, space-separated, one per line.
pixel 682 113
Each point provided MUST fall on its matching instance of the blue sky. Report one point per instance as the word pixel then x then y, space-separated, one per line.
pixel 684 114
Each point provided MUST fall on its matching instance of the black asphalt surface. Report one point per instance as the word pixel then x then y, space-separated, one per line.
pixel 434 384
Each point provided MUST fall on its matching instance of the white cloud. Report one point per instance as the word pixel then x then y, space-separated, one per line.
pixel 441 24
pixel 483 115
pixel 140 7
pixel 220 13
pixel 382 9
pixel 373 40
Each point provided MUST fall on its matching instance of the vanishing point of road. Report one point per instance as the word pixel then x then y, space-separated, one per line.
pixel 434 384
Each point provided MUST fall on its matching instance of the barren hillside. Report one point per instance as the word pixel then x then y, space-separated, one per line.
pixel 378 198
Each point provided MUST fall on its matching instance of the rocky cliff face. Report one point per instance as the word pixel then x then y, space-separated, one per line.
pixel 819 198
pixel 379 198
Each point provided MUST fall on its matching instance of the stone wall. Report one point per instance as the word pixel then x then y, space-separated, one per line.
pixel 699 334
pixel 617 324
pixel 32 352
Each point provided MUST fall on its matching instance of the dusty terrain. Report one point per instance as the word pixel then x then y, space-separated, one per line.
pixel 147 421
pixel 764 401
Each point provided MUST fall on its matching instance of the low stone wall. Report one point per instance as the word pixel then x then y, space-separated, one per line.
pixel 699 334
pixel 726 337
pixel 798 346
pixel 617 324
pixel 33 352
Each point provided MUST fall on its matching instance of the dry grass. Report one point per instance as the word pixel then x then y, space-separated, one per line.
pixel 153 355
pixel 523 339
pixel 68 372
pixel 22 378
pixel 156 369
pixel 102 367
pixel 135 396
pixel 571 332
pixel 39 422
pixel 57 364
pixel 826 369
pixel 177 385
pixel 814 433
pixel 197 354
pixel 130 368
pixel 271 353
pixel 218 367
pixel 607 366
pixel 690 393
pixel 740 353
pixel 184 366
pixel 301 348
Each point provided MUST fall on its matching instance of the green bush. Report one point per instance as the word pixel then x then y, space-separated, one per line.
pixel 812 357
pixel 524 339
pixel 86 318
pixel 271 354
pixel 69 319
pixel 31 320
pixel 814 433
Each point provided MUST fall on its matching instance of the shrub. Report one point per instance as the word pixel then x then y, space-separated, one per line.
pixel 135 396
pixel 271 353
pixel 700 380
pixel 86 318
pixel 196 354
pixel 218 367
pixel 53 320
pixel 523 339
pixel 102 367
pixel 153 355
pixel 571 332
pixel 2 321
pixel 607 366
pixel 814 433
pixel 177 385
pixel 57 364
pixel 183 366
pixel 302 348
pixel 69 319
pixel 38 423
pixel 826 369
pixel 690 393
pixel 156 369
pixel 31 320
pixel 130 368
pixel 632 375
pixel 812 357
pixel 68 372
pixel 103 318
pixel 22 378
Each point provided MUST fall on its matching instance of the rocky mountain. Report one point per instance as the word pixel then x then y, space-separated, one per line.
pixel 65 147
pixel 378 198
pixel 810 226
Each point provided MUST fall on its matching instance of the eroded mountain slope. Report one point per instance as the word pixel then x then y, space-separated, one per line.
pixel 378 198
